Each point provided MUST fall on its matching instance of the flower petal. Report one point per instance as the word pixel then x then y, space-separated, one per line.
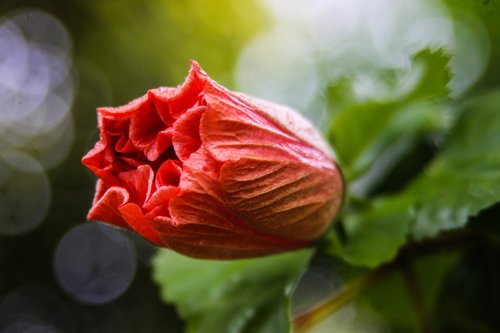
pixel 158 204
pixel 169 173
pixel 122 112
pixel 173 102
pixel 288 199
pixel 139 223
pixel 186 135
pixel 232 128
pixel 97 158
pixel 139 183
pixel 206 229
pixel 106 207
pixel 145 126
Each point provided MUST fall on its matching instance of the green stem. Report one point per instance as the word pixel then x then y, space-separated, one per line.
pixel 446 242
pixel 304 321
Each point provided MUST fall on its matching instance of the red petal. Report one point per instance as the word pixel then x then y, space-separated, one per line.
pixel 139 183
pixel 287 199
pixel 232 128
pixel 173 102
pixel 186 135
pixel 106 208
pixel 230 131
pixel 169 173
pixel 124 145
pixel 124 111
pixel 205 228
pixel 158 204
pixel 145 126
pixel 96 159
pixel 200 174
pixel 142 225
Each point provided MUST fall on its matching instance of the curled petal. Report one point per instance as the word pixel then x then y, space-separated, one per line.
pixel 169 173
pixel 186 136
pixel 139 183
pixel 171 103
pixel 139 223
pixel 158 204
pixel 106 207
pixel 145 126
pixel 121 112
pixel 98 157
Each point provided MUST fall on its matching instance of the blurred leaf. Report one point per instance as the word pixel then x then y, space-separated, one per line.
pixel 433 74
pixel 461 181
pixel 248 295
pixel 362 132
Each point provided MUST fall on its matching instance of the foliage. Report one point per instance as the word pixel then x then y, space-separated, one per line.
pixel 236 296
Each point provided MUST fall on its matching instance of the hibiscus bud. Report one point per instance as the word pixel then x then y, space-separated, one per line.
pixel 212 173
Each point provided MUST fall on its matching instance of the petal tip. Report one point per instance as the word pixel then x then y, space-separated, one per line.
pixel 196 69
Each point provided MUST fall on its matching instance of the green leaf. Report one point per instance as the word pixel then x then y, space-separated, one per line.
pixel 462 180
pixel 374 235
pixel 465 178
pixel 248 295
pixel 362 132
pixel 432 69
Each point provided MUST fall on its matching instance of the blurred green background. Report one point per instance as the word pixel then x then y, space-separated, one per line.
pixel 59 60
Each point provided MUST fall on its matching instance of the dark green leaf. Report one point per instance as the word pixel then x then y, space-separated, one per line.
pixel 230 296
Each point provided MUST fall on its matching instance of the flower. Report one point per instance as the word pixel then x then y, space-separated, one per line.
pixel 212 173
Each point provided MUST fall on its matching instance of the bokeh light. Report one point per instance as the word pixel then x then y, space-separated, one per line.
pixel 36 85
pixel 94 263
pixel 24 193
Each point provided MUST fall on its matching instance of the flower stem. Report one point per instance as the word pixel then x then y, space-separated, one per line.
pixel 302 322
pixel 452 240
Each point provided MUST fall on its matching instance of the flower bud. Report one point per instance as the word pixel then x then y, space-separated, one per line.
pixel 212 173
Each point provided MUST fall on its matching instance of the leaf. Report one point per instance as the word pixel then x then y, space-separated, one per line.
pixel 462 180
pixel 375 235
pixel 466 177
pixel 362 132
pixel 248 295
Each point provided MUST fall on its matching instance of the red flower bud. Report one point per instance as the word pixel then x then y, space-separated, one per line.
pixel 213 173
